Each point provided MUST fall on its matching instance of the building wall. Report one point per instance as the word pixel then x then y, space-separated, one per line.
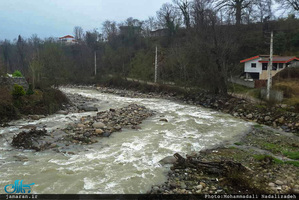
pixel 249 69
pixel 259 69
pixel 8 81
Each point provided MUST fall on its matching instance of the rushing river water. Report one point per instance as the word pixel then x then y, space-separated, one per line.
pixel 128 161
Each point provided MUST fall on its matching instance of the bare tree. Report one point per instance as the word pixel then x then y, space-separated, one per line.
pixel 289 4
pixel 109 29
pixel 184 7
pixel 200 8
pixel 264 9
pixel 78 32
pixel 169 18
pixel 149 25
pixel 235 6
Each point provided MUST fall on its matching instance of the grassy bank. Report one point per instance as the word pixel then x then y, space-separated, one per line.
pixel 41 102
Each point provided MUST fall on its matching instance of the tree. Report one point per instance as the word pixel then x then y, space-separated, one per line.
pixel 184 7
pixel 264 9
pixel 200 10
pixel 234 6
pixel 109 30
pixel 169 18
pixel 78 32
pixel 289 4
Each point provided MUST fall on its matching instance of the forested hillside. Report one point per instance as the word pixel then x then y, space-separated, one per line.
pixel 199 43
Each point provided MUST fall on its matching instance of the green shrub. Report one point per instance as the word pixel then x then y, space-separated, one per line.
pixel 30 90
pixel 18 91
pixel 17 73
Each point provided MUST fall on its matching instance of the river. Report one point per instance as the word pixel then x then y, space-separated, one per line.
pixel 126 162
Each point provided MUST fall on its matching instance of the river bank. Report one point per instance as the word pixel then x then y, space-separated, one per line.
pixel 266 167
pixel 274 115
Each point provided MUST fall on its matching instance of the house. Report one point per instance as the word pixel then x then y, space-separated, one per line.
pixel 159 33
pixel 68 39
pixel 256 67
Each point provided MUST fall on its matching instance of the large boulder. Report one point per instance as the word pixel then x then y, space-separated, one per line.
pixel 168 160
pixel 98 125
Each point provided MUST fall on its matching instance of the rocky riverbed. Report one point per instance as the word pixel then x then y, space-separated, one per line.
pixel 275 116
pixel 267 167
pixel 87 131
pixel 269 155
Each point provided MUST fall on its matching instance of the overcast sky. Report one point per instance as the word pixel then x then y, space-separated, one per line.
pixel 55 18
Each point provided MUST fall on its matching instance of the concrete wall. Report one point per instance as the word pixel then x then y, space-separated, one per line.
pixel 240 81
pixel 275 95
pixel 8 81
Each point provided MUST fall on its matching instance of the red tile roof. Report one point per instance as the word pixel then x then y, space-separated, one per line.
pixel 276 59
pixel 67 36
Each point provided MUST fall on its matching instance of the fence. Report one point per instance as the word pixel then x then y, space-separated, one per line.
pixel 260 83
pixel 240 81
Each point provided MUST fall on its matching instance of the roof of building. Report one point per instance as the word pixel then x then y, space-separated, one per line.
pixel 67 36
pixel 276 59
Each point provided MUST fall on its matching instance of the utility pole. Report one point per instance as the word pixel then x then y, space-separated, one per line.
pixel 95 63
pixel 156 65
pixel 269 82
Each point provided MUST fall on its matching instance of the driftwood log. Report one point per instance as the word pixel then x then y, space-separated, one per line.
pixel 222 167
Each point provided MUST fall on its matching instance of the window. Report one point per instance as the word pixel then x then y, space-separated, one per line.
pixel 265 66
pixel 274 66
pixel 280 65
pixel 253 65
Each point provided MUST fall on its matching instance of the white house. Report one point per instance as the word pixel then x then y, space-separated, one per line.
pixel 68 39
pixel 256 67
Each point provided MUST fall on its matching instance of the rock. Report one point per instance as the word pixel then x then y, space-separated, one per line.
pixel 267 118
pixel 163 120
pixel 281 120
pixel 80 125
pixel 21 158
pixel 271 184
pixel 29 127
pixel 199 187
pixel 87 134
pixel 34 117
pixel 156 188
pixel 62 112
pixel 98 125
pixel 183 185
pixel 117 127
pixel 278 182
pixel 168 160
pixel 203 184
pixel 99 131
pixel 53 145
pixel 106 134
pixel 87 108
pixel 249 116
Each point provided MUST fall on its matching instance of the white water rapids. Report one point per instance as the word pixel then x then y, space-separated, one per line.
pixel 127 161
